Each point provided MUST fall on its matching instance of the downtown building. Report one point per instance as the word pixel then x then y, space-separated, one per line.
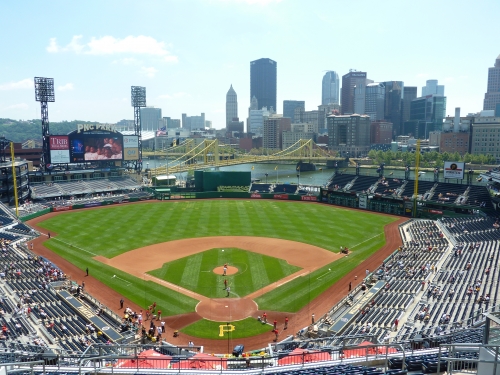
pixel 330 87
pixel 289 107
pixel 193 122
pixel 393 104
pixel 151 118
pixel 231 105
pixel 409 94
pixel 350 81
pixel 263 83
pixel 426 115
pixel 492 96
pixel 375 101
pixel 273 129
pixel 349 135
pixel 486 136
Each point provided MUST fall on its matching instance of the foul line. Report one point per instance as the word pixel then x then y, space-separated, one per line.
pixel 70 245
pixel 352 247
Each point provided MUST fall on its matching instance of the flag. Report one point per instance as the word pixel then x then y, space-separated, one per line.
pixel 253 167
pixel 161 131
pixel 298 167
pixel 276 168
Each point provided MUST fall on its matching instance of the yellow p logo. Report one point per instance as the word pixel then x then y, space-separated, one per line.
pixel 225 328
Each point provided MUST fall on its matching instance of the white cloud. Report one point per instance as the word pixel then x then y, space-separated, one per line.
pixel 53 47
pixel 22 106
pixel 66 87
pixel 148 72
pixel 109 45
pixel 23 84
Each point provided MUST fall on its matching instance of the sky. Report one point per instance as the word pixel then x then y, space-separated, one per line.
pixel 187 53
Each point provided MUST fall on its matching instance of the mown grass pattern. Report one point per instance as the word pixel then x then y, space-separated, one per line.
pixel 111 231
pixel 196 272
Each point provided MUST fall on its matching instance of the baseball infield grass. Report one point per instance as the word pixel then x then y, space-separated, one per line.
pixel 195 272
pixel 111 231
pixel 208 329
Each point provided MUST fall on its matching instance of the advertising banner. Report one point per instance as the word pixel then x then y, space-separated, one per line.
pixel 130 141
pixel 94 204
pixel 61 208
pixel 309 198
pixel 131 153
pixel 437 212
pixel 59 156
pixel 363 200
pixel 255 195
pixel 280 196
pixel 453 169
pixel 59 142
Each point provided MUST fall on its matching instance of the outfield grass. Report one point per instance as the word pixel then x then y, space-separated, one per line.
pixel 195 272
pixel 112 231
pixel 208 329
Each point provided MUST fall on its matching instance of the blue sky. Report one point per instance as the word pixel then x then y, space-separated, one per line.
pixel 188 52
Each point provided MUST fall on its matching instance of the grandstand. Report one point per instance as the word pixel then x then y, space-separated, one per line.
pixel 82 187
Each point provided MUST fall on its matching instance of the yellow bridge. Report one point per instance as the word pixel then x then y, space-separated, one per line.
pixel 209 153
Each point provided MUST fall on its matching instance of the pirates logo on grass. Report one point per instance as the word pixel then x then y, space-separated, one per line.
pixel 226 328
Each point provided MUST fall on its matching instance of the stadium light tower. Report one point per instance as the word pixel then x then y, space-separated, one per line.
pixel 138 101
pixel 44 93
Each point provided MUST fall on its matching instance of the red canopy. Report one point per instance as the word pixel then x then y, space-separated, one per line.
pixel 304 356
pixel 202 361
pixel 373 350
pixel 147 359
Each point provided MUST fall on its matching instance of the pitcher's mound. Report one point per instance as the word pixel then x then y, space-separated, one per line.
pixel 230 270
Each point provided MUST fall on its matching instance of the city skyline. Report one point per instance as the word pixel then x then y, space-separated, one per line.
pixel 186 70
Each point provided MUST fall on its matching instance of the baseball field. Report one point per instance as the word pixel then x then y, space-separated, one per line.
pixel 169 253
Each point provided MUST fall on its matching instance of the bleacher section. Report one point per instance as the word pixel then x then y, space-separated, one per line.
pixel 436 192
pixel 82 187
pixel 260 188
pixel 285 189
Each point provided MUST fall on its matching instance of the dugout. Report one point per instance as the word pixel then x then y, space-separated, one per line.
pixel 211 180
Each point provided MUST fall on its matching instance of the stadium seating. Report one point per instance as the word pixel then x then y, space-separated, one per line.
pixel 285 189
pixel 260 188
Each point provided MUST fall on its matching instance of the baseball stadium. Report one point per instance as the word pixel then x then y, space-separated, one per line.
pixel 109 267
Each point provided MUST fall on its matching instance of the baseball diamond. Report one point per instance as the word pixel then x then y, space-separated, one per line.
pixel 136 243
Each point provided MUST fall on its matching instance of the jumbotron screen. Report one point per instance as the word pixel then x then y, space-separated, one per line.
pixel 96 147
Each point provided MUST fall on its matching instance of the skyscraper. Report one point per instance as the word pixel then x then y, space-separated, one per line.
pixel 374 101
pixel 330 88
pixel 289 107
pixel 427 114
pixel 409 93
pixel 492 96
pixel 263 80
pixel 231 105
pixel 394 94
pixel 349 82
pixel 432 88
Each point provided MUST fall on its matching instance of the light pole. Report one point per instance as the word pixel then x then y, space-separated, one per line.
pixel 266 177
pixel 298 180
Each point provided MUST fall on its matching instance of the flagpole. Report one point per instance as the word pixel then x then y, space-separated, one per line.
pixel 276 174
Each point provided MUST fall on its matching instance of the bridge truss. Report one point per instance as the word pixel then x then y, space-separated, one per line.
pixel 210 153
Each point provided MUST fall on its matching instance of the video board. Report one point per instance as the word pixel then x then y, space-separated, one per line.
pixel 90 147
